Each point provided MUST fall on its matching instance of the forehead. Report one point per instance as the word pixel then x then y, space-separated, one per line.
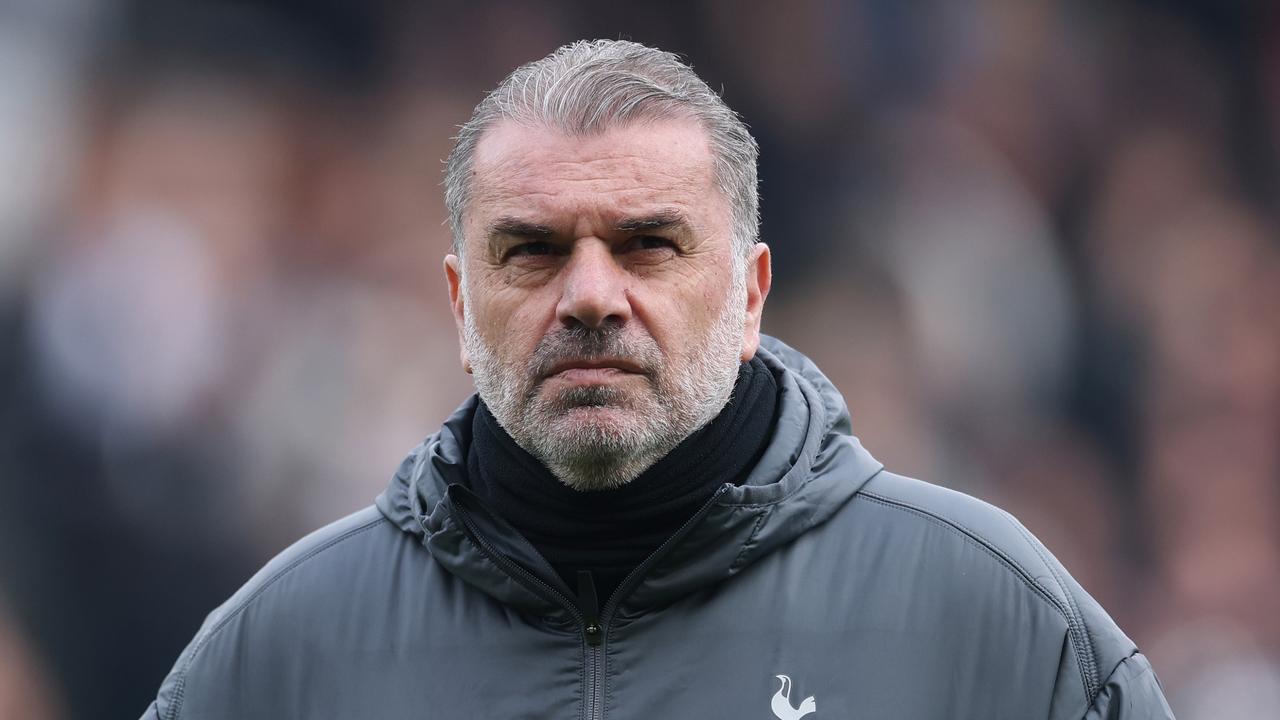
pixel 556 178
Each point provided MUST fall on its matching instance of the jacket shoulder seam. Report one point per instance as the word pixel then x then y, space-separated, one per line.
pixel 1080 634
pixel 232 613
pixel 1075 625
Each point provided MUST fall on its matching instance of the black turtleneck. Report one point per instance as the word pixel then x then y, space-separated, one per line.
pixel 610 532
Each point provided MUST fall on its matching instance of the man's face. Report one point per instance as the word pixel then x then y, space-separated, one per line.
pixel 598 299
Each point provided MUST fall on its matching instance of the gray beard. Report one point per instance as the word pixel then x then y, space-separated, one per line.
pixel 601 455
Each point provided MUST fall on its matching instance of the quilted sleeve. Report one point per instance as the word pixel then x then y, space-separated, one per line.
pixel 1131 692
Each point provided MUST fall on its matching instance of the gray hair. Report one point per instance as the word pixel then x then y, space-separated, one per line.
pixel 588 87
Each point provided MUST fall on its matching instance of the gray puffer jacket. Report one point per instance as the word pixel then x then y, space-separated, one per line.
pixel 823 587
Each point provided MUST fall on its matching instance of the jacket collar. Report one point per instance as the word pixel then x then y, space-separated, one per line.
pixel 811 467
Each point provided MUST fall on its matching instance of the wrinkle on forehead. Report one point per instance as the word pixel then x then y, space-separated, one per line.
pixel 663 164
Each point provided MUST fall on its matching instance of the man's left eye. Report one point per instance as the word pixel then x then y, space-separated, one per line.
pixel 651 242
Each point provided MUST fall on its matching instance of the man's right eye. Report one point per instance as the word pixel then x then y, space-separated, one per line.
pixel 530 248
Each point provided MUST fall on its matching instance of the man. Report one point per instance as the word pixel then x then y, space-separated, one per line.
pixel 649 510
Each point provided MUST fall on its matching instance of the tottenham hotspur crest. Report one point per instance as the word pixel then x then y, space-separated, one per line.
pixel 781 704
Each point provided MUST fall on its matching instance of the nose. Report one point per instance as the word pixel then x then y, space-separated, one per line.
pixel 594 289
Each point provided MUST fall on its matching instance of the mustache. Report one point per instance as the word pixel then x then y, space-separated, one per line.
pixel 583 343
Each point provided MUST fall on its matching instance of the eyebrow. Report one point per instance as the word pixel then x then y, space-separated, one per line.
pixel 660 220
pixel 519 228
pixel 511 227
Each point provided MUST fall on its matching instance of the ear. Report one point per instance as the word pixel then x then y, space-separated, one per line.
pixel 453 276
pixel 759 279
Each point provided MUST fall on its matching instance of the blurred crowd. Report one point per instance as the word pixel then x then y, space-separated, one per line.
pixel 1033 242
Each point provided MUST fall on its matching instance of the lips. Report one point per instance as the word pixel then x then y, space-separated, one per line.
pixel 593 368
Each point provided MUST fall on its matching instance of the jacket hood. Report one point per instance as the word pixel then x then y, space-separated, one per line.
pixel 810 468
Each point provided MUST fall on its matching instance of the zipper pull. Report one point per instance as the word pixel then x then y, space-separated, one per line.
pixel 589 604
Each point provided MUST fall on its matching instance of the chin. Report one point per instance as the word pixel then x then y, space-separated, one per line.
pixel 596 447
pixel 598 420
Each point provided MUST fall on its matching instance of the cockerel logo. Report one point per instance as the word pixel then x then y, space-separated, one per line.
pixel 781 704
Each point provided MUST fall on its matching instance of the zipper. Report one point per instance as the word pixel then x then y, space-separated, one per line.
pixel 596 669
pixel 531 581
pixel 592 631
pixel 590 606
pixel 634 576
pixel 595 625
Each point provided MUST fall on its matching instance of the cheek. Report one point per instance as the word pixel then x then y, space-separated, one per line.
pixel 711 301
pixel 715 297
pixel 497 328
pixel 687 318
pixel 509 318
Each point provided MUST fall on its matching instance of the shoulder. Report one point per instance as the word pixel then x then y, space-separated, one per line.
pixel 310 581
pixel 323 557
pixel 954 520
pixel 966 518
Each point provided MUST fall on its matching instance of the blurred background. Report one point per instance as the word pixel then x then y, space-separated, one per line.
pixel 1033 241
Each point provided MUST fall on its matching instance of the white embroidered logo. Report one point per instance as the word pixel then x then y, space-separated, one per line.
pixel 781 704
